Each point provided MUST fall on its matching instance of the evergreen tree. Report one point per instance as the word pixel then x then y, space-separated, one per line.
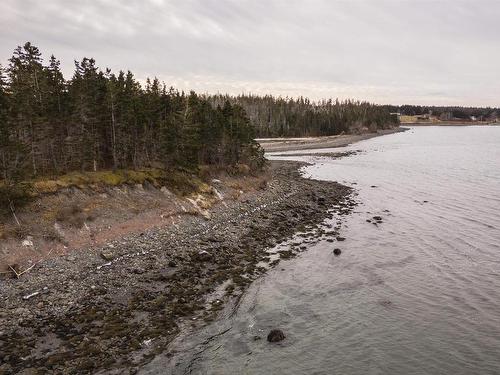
pixel 88 95
pixel 5 136
pixel 191 132
pixel 171 126
pixel 26 78
pixel 55 114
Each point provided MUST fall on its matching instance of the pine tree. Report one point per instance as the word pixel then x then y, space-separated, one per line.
pixel 112 93
pixel 190 144
pixel 131 117
pixel 26 78
pixel 56 114
pixel 90 112
pixel 172 126
pixel 5 136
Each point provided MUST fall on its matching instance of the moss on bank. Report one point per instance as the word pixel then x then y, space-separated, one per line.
pixel 180 181
pixel 84 180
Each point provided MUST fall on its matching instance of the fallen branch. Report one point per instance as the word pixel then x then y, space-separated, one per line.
pixel 13 270
pixel 36 293
pixel 18 274
pixel 11 204
pixel 31 295
pixel 28 269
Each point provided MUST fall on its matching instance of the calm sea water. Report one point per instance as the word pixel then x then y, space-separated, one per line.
pixel 417 294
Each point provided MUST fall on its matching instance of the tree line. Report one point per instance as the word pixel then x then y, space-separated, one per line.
pixel 458 112
pixel 101 120
pixel 288 117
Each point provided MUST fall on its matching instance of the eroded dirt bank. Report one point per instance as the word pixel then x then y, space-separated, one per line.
pixel 94 210
pixel 82 313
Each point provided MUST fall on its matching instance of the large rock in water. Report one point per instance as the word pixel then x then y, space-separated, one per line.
pixel 275 335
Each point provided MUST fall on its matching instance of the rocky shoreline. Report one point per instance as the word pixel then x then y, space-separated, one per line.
pixel 114 308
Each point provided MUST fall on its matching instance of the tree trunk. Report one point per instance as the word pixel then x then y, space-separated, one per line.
pixel 33 158
pixel 113 133
pixel 14 212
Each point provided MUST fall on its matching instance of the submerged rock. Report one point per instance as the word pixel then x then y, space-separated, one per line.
pixel 337 252
pixel 275 335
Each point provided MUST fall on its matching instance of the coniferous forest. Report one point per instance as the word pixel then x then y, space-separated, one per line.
pixel 483 113
pixel 287 117
pixel 100 120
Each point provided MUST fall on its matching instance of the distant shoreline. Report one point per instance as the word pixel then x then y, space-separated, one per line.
pixel 312 143
pixel 450 124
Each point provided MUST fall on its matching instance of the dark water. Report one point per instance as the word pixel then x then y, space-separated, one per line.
pixel 417 294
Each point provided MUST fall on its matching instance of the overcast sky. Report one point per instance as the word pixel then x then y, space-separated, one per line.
pixel 385 51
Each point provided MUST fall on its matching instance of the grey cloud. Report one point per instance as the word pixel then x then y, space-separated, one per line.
pixel 442 51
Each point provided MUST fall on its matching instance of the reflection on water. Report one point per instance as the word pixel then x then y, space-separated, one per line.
pixel 418 293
